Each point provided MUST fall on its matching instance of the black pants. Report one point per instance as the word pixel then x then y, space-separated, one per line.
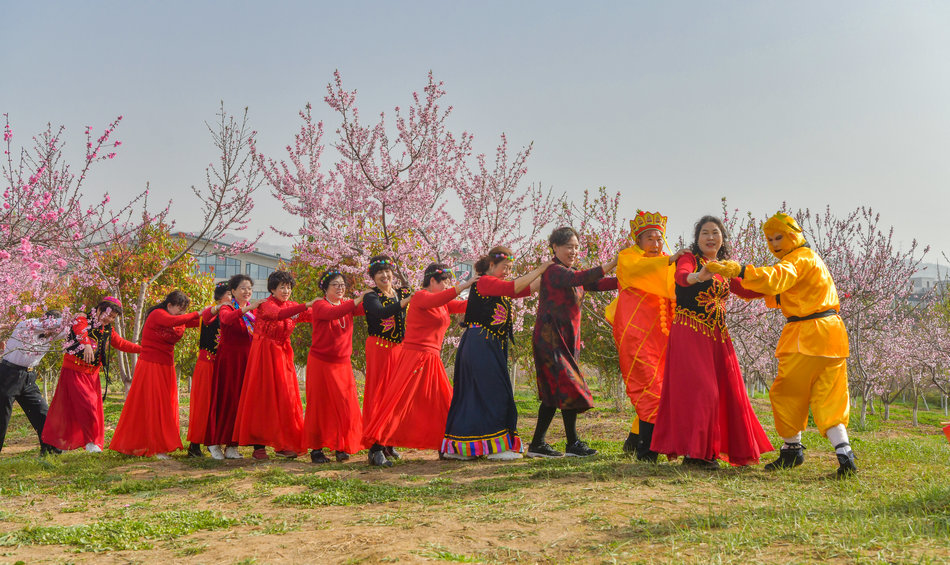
pixel 18 384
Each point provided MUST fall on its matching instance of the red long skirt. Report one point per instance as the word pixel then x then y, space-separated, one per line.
pixel 381 357
pixel 200 402
pixel 75 414
pixel 149 420
pixel 332 418
pixel 704 408
pixel 227 382
pixel 415 404
pixel 270 412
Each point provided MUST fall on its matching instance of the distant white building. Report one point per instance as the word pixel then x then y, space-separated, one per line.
pixel 256 264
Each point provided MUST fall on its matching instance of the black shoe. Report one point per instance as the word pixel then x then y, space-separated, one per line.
pixel 644 453
pixel 846 466
pixel 342 456
pixel 789 456
pixel 317 456
pixel 46 449
pixel 579 449
pixel 391 453
pixel 378 459
pixel 702 464
pixel 543 450
pixel 630 446
pixel 194 450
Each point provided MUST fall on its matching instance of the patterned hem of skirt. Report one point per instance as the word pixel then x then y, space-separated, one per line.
pixel 504 440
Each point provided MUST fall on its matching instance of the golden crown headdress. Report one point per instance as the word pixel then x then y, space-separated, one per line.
pixel 647 221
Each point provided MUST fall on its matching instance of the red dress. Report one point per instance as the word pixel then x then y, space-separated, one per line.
pixel 75 415
pixel 332 418
pixel 386 326
pixel 414 407
pixel 270 412
pixel 234 346
pixel 149 420
pixel 557 335
pixel 704 409
pixel 200 397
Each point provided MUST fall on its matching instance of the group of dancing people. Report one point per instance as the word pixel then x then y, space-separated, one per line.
pixel 676 358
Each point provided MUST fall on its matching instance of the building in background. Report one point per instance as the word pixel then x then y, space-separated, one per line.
pixel 257 264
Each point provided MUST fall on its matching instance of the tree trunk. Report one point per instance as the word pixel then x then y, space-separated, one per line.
pixel 913 412
pixel 864 410
pixel 887 411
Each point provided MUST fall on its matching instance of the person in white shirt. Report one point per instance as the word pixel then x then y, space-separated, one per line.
pixel 23 351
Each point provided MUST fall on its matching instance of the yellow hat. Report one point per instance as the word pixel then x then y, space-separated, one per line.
pixel 787 225
pixel 647 221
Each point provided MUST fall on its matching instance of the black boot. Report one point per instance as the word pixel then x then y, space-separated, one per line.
pixel 391 453
pixel 630 446
pixel 846 466
pixel 791 455
pixel 644 453
pixel 194 450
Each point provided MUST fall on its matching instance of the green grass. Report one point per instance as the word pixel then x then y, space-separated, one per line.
pixel 121 534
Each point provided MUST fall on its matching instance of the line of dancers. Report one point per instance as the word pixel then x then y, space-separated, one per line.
pixel 676 359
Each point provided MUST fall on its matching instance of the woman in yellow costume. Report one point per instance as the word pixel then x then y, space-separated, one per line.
pixel 640 316
pixel 813 348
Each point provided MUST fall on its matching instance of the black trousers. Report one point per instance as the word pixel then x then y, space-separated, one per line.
pixel 18 384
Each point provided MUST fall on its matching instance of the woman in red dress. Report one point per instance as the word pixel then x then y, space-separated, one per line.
pixel 200 395
pixel 704 410
pixel 75 417
pixel 332 418
pixel 148 424
pixel 415 404
pixel 234 345
pixel 270 412
pixel 557 340
pixel 385 308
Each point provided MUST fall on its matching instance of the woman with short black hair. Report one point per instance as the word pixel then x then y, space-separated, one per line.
pixel 148 424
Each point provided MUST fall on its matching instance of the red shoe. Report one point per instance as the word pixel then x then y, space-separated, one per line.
pixel 289 454
pixel 260 454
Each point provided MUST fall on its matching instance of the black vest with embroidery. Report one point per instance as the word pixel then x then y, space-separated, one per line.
pixel 490 312
pixel 101 336
pixel 702 303
pixel 392 328
pixel 208 339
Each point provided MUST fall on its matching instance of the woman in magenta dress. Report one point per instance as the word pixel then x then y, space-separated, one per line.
pixel 704 410
pixel 270 412
pixel 199 401
pixel 75 417
pixel 234 346
pixel 483 417
pixel 557 339
pixel 414 406
pixel 385 308
pixel 148 424
pixel 332 419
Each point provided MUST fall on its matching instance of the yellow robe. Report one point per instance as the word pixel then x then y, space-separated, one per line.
pixel 638 315
pixel 812 371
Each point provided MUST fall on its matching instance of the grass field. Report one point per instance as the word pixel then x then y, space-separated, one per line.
pixel 109 508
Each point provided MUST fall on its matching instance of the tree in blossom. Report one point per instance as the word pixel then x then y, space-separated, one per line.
pixel 392 191
pixel 50 230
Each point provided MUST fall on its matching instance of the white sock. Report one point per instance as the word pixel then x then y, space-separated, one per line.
pixel 838 435
pixel 795 439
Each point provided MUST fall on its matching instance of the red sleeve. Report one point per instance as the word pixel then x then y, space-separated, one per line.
pixel 194 322
pixel 267 310
pixel 162 318
pixel 80 329
pixel 561 276
pixel 360 311
pixel 426 299
pixel 290 310
pixel 323 310
pixel 206 316
pixel 685 265
pixel 303 317
pixel 493 286
pixel 606 283
pixel 122 344
pixel 457 306
pixel 735 286
pixel 230 315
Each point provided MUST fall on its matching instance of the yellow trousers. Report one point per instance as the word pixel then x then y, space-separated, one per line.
pixel 806 380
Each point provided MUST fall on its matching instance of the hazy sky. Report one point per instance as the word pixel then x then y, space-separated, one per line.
pixel 676 104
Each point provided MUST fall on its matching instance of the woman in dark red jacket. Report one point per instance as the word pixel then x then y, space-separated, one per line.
pixel 148 424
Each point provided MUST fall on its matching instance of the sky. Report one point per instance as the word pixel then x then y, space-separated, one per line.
pixel 674 104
